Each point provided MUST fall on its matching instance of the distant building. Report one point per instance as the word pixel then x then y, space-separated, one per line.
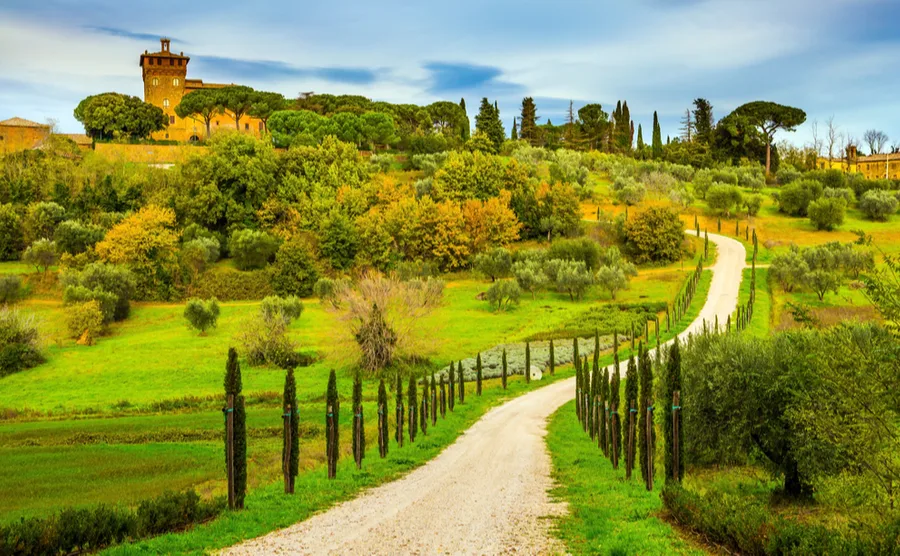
pixel 166 82
pixel 18 134
pixel 873 167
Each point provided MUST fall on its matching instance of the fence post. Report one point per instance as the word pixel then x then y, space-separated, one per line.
pixel 286 464
pixel 676 425
pixel 229 448
pixel 650 450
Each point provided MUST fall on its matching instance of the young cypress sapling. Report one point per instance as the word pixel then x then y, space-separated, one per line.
pixel 503 370
pixel 462 382
pixel 234 387
pixel 552 358
pixel 478 374
pixel 434 400
pixel 673 384
pixel 400 413
pixel 631 397
pixel 451 394
pixel 292 450
pixel 443 399
pixel 332 418
pixel 382 420
pixel 527 362
pixel 359 429
pixel 645 380
pixel 615 410
pixel 413 403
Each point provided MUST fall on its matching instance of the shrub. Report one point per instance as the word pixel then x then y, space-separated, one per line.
pixel 252 249
pixel 723 198
pixel 681 196
pixel 659 182
pixel 655 235
pixel 19 342
pixel 752 177
pixel 73 237
pixel 529 275
pixel 568 167
pixel 631 194
pixel 844 193
pixel 90 529
pixel 787 174
pixel 205 250
pixel 878 205
pixel 410 270
pixel 228 284
pixel 504 293
pixel 41 255
pixel 327 289
pixel 295 271
pixel 794 199
pixel 827 213
pixel 287 309
pixel 427 163
pixel 84 321
pixel 581 249
pixel 338 240
pixel 381 162
pixel 571 277
pixel 753 203
pixel 10 289
pixel 12 240
pixel 266 342
pixel 41 220
pixel 202 315
pixel 494 264
pixel 108 284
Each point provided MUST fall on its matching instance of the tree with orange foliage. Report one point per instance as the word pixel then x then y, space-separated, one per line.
pixel 146 244
pixel 490 223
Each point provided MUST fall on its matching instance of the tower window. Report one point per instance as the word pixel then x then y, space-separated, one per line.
pixel 155 81
pixel 165 103
pixel 171 61
pixel 246 127
pixel 176 82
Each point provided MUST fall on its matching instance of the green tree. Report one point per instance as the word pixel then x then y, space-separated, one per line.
pixel 529 130
pixel 768 118
pixel 655 235
pixel 631 401
pixel 12 238
pixel 383 432
pixel 466 128
pixel 264 104
pixel 451 392
pixel 478 374
pixel 202 315
pixel 332 414
pixel 615 405
pixel 723 198
pixel 552 358
pixel 503 294
pixel 203 104
pixel 413 402
pixel 295 271
pixel 527 362
pixel 827 213
pixel 503 370
pixel 233 387
pixel 41 255
pixel 494 264
pixel 594 124
pixel 41 220
pixel 656 146
pixel 109 115
pixel 645 372
pixel 339 240
pixel 252 249
pixel 878 204
pixel 488 121
pixel 703 120
pixel 400 413
pixel 290 409
pixel 359 426
pixel 238 100
pixel 514 134
pixel 672 385
pixel 461 378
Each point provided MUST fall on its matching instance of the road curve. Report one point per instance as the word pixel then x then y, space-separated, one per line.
pixel 487 493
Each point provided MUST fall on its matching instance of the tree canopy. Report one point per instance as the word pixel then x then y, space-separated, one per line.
pixel 111 115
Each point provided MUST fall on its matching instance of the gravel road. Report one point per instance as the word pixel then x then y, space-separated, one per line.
pixel 485 494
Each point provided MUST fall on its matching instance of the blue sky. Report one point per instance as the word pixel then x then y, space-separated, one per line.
pixel 829 57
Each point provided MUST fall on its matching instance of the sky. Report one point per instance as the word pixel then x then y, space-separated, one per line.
pixel 837 58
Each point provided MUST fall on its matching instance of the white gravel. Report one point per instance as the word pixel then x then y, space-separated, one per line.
pixel 485 494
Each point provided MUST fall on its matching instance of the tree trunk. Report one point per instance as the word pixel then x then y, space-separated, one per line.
pixel 768 157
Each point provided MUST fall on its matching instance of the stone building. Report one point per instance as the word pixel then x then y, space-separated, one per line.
pixel 873 167
pixel 18 134
pixel 166 82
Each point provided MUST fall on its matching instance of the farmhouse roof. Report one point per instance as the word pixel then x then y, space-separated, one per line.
pixel 21 122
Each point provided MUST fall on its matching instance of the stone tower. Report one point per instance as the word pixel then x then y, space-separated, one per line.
pixel 164 78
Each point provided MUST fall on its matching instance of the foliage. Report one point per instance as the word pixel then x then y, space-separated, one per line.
pixel 12 239
pixel 287 309
pixel 794 198
pixel 84 321
pixel 73 237
pixel 753 203
pixel 252 249
pixel 199 253
pixel 878 205
pixel 672 384
pixel 295 271
pixel 202 315
pixel 338 240
pixel 264 338
pixel 41 220
pixel 10 289
pixel 74 530
pixel 827 213
pixel 41 255
pixel 631 194
pixel 568 166
pixel 503 294
pixel 113 286
pixel 724 198
pixel 582 249
pixel 655 235
pixel 488 121
pixel 113 115
pixel 228 284
pixel 494 264
pixel 20 342
pixel 529 275
pixel 234 387
pixel 290 408
pixel 571 277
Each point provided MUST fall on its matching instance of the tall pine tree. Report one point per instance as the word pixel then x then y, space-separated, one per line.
pixel 234 387
pixel 289 400
pixel 464 133
pixel 488 121
pixel 615 428
pixel 703 121
pixel 528 129
pixel 514 134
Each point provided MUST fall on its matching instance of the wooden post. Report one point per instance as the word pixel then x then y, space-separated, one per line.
pixel 286 464
pixel 229 448
pixel 329 442
pixel 629 454
pixel 650 450
pixel 676 425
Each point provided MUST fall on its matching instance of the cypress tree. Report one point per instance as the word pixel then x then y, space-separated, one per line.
pixel 443 399
pixel 527 363
pixel 234 387
pixel 332 414
pixel 631 399
pixel 719 223
pixel 645 372
pixel 434 400
pixel 290 400
pixel 737 228
pixel 478 374
pixel 465 131
pixel 593 383
pixel 604 410
pixel 423 416
pixel 382 420
pixel 514 135
pixel 413 402
pixel 503 370
pixel 656 146
pixel 451 393
pixel 400 413
pixel 673 384
pixel 359 429
pixel 552 359
pixel 462 383
pixel 578 385
pixel 529 130
pixel 586 393
pixel 706 244
pixel 640 140
pixel 615 428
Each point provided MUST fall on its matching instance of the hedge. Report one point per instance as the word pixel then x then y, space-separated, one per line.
pixel 89 529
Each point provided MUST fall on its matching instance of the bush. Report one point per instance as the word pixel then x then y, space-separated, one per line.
pixel 568 167
pixel 106 301
pixel 494 264
pixel 581 249
pixel 381 162
pixel 266 341
pixel 41 255
pixel 752 177
pixel 287 309
pixel 844 193
pixel 753 203
pixel 10 289
pixel 295 271
pixel 878 205
pixel 427 163
pixel 723 198
pixel 410 270
pixel 228 284
pixel 90 529
pixel 84 321
pixel 655 235
pixel 100 281
pixel 327 289
pixel 202 315
pixel 571 277
pixel 827 213
pixel 504 293
pixel 73 237
pixel 19 342
pixel 12 239
pixel 787 174
pixel 631 194
pixel 252 249
pixel 795 198
pixel 41 220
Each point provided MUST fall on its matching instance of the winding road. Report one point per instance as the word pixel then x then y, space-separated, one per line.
pixel 487 493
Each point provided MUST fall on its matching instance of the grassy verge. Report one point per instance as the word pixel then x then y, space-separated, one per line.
pixel 607 514
pixel 268 508
pixel 761 322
